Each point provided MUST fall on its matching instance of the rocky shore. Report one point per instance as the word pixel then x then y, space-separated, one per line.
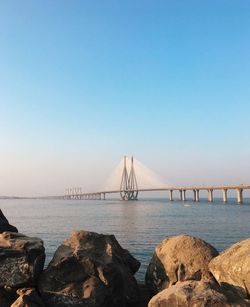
pixel 91 269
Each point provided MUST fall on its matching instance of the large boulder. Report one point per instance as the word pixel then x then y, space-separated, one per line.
pixel 21 260
pixel 4 224
pixel 194 293
pixel 90 269
pixel 232 267
pixel 28 297
pixel 179 258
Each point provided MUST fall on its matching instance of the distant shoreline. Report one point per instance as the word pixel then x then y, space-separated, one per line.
pixel 31 197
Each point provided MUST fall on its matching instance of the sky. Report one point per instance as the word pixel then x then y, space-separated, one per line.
pixel 83 83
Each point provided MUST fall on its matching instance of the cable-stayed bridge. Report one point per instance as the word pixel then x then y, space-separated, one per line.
pixel 129 186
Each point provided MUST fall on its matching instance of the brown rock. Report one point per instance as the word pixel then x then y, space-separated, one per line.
pixel 232 267
pixel 28 297
pixel 90 269
pixel 193 294
pixel 21 259
pixel 4 224
pixel 179 258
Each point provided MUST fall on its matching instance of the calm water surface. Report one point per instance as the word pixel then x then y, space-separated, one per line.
pixel 138 226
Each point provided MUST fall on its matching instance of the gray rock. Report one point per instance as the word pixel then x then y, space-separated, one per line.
pixel 21 260
pixel 4 224
pixel 90 269
pixel 232 268
pixel 179 258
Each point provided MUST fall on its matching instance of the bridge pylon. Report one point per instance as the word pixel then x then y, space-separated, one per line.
pixel 128 187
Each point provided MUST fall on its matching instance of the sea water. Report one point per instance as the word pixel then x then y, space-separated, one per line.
pixel 138 225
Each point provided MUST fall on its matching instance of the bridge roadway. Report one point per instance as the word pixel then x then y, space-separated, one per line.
pixel 76 193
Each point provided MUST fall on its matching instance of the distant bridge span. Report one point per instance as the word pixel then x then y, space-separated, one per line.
pixel 129 189
pixel 77 194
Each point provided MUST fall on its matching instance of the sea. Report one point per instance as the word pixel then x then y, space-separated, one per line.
pixel 137 225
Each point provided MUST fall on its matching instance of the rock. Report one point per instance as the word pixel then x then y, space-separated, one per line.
pixel 28 297
pixel 193 293
pixel 145 296
pixel 4 224
pixel 90 269
pixel 232 267
pixel 179 258
pixel 21 259
pixel 7 297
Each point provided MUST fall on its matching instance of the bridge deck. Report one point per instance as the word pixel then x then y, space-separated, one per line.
pixel 180 188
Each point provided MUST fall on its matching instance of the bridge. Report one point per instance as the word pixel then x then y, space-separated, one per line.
pixel 129 189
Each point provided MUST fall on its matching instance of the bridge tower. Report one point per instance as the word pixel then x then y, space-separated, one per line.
pixel 128 187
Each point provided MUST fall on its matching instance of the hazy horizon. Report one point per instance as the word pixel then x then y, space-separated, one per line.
pixel 84 83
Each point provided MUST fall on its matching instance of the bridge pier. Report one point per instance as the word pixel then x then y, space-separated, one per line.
pixel 224 191
pixel 181 194
pixel 239 196
pixel 171 195
pixel 197 192
pixel 194 198
pixel 210 195
pixel 184 195
pixel 196 195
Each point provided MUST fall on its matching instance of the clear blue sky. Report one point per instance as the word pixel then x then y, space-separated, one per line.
pixel 84 82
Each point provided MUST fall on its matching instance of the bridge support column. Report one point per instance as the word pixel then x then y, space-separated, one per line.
pixel 194 199
pixel 171 195
pixel 210 195
pixel 197 195
pixel 239 196
pixel 184 195
pixel 104 196
pixel 224 195
pixel 181 195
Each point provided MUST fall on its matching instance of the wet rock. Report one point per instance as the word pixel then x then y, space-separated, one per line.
pixel 193 294
pixel 90 269
pixel 28 297
pixel 21 259
pixel 179 258
pixel 4 224
pixel 232 268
